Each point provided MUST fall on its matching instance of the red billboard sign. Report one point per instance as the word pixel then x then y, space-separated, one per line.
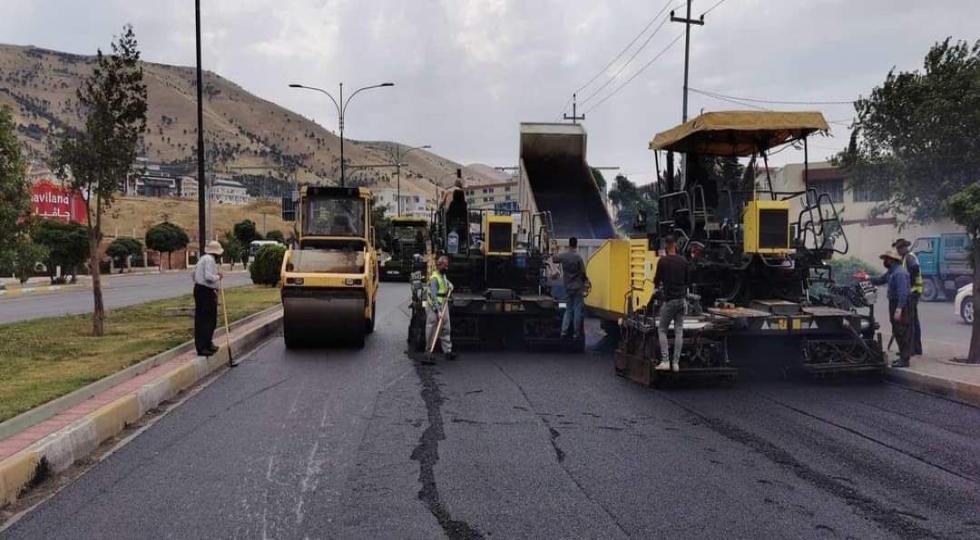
pixel 51 201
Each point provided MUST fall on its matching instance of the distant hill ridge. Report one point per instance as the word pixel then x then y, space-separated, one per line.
pixel 241 129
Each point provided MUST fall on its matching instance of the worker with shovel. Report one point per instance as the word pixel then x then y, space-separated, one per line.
pixel 437 321
pixel 207 280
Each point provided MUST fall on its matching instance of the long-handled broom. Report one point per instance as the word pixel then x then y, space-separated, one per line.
pixel 224 310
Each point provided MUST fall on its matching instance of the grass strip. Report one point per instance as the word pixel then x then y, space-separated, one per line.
pixel 43 359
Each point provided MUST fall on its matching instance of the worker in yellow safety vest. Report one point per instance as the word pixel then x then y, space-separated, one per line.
pixel 911 264
pixel 439 291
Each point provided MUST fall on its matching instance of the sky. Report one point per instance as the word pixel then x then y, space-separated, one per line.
pixel 467 72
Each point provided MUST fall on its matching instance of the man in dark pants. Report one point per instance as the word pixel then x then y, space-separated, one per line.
pixel 206 282
pixel 574 279
pixel 672 278
pixel 911 265
pixel 898 300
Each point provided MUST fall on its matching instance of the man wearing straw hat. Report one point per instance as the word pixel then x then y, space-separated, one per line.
pixel 206 282
pixel 898 303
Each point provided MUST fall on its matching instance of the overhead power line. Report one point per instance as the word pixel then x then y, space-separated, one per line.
pixel 622 52
pixel 738 101
pixel 778 102
pixel 627 63
pixel 637 74
pixel 710 9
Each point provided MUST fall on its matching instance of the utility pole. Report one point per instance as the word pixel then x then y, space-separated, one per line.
pixel 574 117
pixel 202 223
pixel 688 21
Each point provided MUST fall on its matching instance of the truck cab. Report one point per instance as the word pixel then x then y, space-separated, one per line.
pixel 944 260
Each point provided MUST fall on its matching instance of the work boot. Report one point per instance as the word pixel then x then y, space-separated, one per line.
pixel 901 362
pixel 451 356
pixel 675 366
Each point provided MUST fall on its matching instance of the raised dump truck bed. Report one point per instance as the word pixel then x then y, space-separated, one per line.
pixel 556 179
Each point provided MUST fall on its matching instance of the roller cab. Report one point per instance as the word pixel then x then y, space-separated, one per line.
pixel 406 243
pixel 330 275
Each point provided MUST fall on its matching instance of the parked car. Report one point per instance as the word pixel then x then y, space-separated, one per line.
pixel 963 305
pixel 945 265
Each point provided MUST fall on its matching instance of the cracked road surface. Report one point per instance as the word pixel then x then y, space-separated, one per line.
pixel 346 443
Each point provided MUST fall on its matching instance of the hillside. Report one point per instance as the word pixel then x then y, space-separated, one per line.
pixel 133 216
pixel 241 130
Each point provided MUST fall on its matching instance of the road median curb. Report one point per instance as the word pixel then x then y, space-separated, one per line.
pixel 964 391
pixel 63 448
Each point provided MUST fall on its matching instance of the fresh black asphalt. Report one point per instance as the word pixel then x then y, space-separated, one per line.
pixel 345 443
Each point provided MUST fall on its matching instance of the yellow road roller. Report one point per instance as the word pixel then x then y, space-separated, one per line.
pixel 329 279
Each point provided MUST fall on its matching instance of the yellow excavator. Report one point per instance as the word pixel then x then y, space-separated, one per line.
pixel 329 279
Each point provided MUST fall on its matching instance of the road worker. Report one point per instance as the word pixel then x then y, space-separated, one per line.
pixel 910 262
pixel 206 282
pixel 439 291
pixel 898 301
pixel 673 276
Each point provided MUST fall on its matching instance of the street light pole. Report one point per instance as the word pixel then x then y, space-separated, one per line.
pixel 341 107
pixel 202 221
pixel 399 155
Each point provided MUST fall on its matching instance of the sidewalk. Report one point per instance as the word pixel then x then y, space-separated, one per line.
pixel 935 372
pixel 58 438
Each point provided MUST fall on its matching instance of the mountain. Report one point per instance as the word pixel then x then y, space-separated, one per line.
pixel 241 130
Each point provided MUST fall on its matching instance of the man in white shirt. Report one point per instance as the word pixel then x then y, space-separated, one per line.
pixel 206 281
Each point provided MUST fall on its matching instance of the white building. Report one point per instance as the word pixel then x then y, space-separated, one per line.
pixel 413 203
pixel 223 190
pixel 487 195
pixel 868 235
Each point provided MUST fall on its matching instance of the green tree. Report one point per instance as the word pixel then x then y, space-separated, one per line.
pixel 122 248
pixel 233 248
pixel 166 238
pixel 915 136
pixel 632 200
pixel 98 157
pixel 23 257
pixel 600 180
pixel 276 235
pixel 15 189
pixel 964 207
pixel 266 269
pixel 67 243
pixel 380 220
pixel 246 232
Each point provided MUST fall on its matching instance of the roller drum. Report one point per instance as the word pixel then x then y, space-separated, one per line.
pixel 323 319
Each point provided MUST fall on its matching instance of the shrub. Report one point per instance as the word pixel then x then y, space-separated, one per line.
pixel 266 267
pixel 843 270
pixel 123 248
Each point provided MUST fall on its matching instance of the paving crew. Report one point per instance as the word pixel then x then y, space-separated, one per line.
pixel 576 283
pixel 439 290
pixel 898 301
pixel 207 278
pixel 673 276
pixel 910 262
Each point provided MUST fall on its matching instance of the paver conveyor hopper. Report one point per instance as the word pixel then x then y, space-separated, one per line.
pixel 330 275
pixel 758 259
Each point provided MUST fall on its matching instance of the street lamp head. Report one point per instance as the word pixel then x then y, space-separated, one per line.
pixel 426 146
pixel 294 85
pixel 388 84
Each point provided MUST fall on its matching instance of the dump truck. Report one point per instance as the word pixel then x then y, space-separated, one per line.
pixel 405 244
pixel 944 260
pixel 329 280
pixel 762 289
pixel 555 179
pixel 499 269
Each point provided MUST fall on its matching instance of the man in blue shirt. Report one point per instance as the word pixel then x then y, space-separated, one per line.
pixel 898 303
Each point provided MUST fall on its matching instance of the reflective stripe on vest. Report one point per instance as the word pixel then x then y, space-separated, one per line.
pixel 917 283
pixel 442 284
